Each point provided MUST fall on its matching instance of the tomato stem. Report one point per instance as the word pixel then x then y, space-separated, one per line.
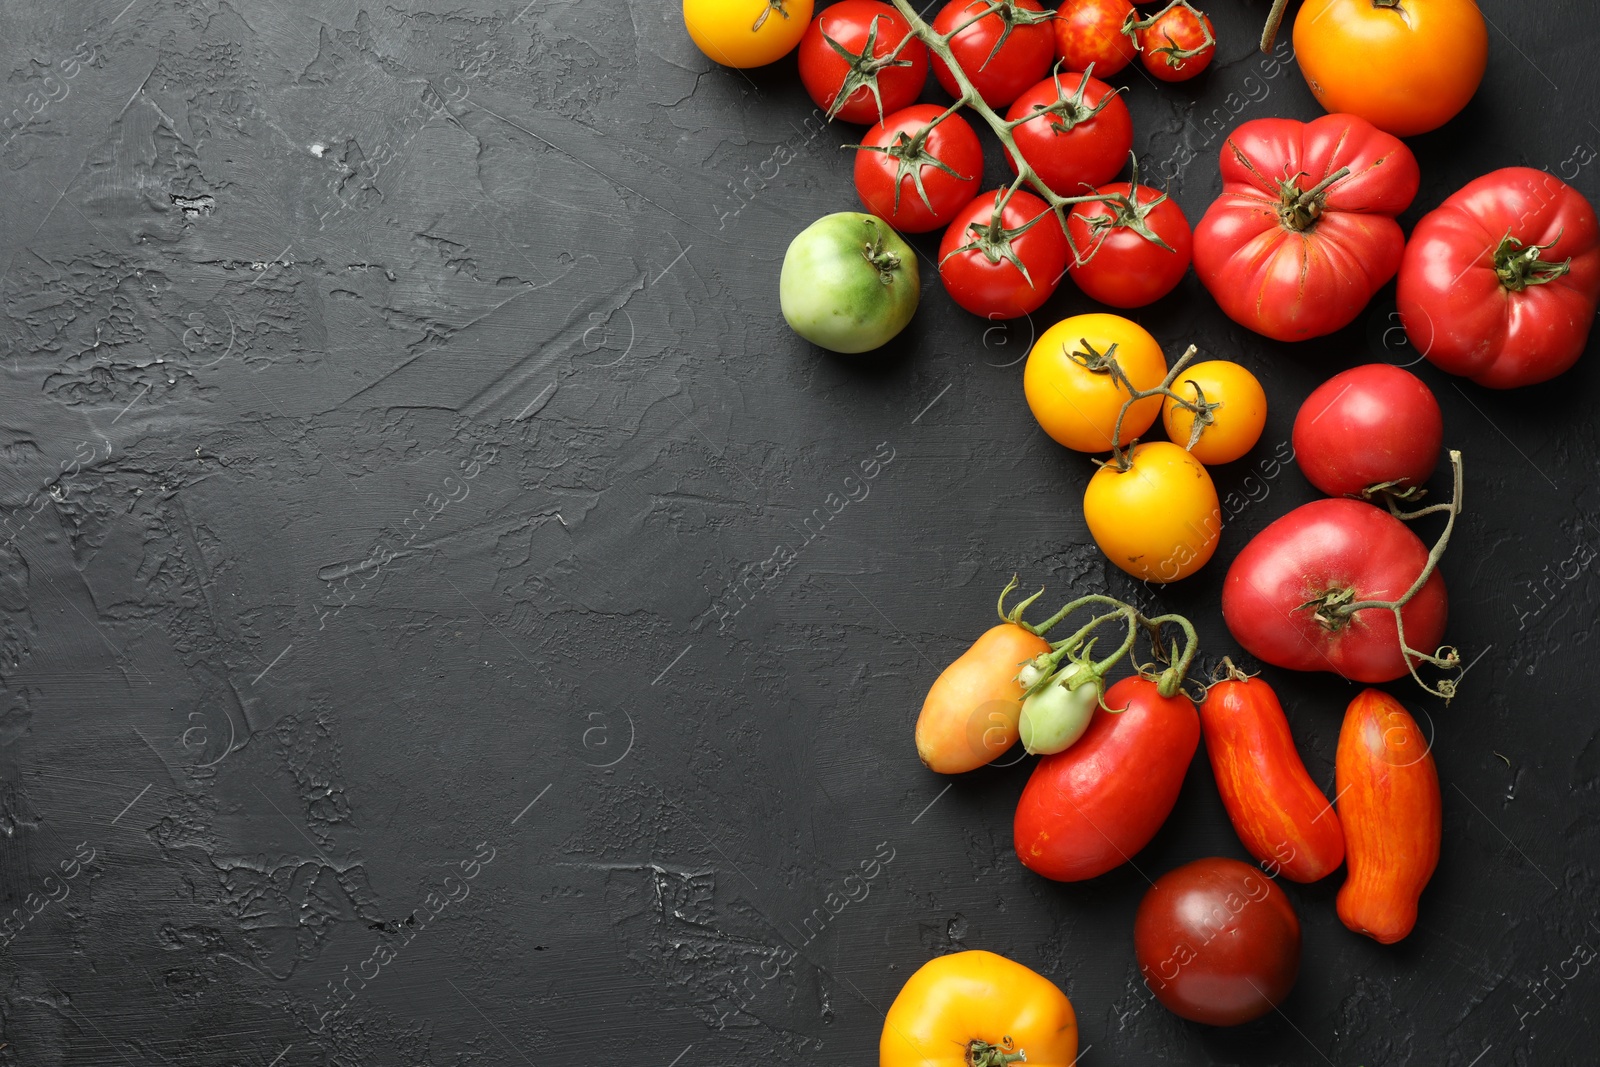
pixel 1269 35
pixel 1519 266
pixel 1119 455
pixel 1300 211
pixel 1169 680
pixel 983 1054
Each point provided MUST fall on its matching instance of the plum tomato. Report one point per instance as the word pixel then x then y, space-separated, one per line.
pixel 1002 52
pixel 1003 262
pixel 1070 388
pixel 1369 427
pixel 1129 252
pixel 1230 428
pixel 1089 34
pixel 916 174
pixel 1159 520
pixel 857 63
pixel 1177 42
pixel 1217 942
pixel 1080 133
pixel 746 33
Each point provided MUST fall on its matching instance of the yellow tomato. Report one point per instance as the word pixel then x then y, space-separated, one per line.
pixel 1074 396
pixel 1236 422
pixel 978 1008
pixel 1159 520
pixel 971 714
pixel 746 33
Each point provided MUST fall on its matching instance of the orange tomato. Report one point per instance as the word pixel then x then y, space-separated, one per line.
pixel 970 715
pixel 1404 68
pixel 1074 398
pixel 1236 423
pixel 747 33
pixel 978 1008
pixel 1160 519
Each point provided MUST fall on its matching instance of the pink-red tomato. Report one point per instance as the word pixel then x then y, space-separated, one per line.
pixel 850 64
pixel 1368 426
pixel 1089 33
pixel 1179 44
pixel 1118 263
pixel 1003 268
pixel 1080 134
pixel 1001 53
pixel 917 176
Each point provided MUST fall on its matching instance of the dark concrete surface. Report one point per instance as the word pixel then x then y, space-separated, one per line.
pixel 396 419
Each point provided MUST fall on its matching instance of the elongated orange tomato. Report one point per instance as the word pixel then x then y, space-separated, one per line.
pixel 1277 810
pixel 976 1009
pixel 970 715
pixel 1392 813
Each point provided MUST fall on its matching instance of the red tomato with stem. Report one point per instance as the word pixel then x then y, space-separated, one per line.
pixel 1080 134
pixel 860 62
pixel 1501 281
pixel 1367 429
pixel 1278 812
pixel 919 167
pixel 1001 53
pixel 1087 810
pixel 1285 595
pixel 1131 252
pixel 1003 264
pixel 1304 232
pixel 1177 42
pixel 1089 34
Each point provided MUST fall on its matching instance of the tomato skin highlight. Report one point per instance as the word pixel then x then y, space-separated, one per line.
pixel 1090 153
pixel 955 1000
pixel 1367 426
pixel 1160 520
pixel 1291 284
pixel 1090 32
pixel 1281 816
pixel 999 290
pixel 849 23
pixel 1089 809
pixel 1459 312
pixel 1389 804
pixel 1127 270
pixel 1331 545
pixel 953 142
pixel 746 33
pixel 969 717
pixel 1000 77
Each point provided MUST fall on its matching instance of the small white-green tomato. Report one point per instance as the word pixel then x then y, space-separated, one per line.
pixel 1056 716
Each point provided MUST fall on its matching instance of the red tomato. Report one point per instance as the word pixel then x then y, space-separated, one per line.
pixel 1001 53
pixel 1003 269
pixel 1277 810
pixel 1178 43
pixel 1081 134
pixel 1126 266
pixel 1087 810
pixel 1288 250
pixel 1281 596
pixel 917 176
pixel 1501 281
pixel 1218 942
pixel 1089 33
pixel 854 65
pixel 1369 426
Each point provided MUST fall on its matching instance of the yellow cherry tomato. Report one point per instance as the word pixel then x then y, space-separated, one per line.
pixel 1159 520
pixel 978 1008
pixel 747 33
pixel 1073 394
pixel 1237 420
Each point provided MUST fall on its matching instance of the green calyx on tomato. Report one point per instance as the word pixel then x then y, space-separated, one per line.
pixel 1300 211
pixel 993 239
pixel 1519 266
pixel 766 12
pixel 849 283
pixel 910 154
pixel 1127 212
pixel 1009 13
pixel 983 1054
pixel 1174 52
pixel 865 67
pixel 1069 112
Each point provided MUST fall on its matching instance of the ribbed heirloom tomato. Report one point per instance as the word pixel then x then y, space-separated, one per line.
pixel 1079 136
pixel 1002 52
pixel 856 63
pixel 747 33
pixel 1071 390
pixel 915 174
pixel 1089 33
pixel 1159 519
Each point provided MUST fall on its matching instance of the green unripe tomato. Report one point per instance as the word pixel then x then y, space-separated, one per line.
pixel 1056 716
pixel 849 282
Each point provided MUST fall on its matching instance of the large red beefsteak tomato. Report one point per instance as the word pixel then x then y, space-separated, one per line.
pixel 1290 249
pixel 1501 281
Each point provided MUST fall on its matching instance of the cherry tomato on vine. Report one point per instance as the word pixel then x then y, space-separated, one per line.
pixel 1080 136
pixel 1006 264
pixel 1089 32
pixel 857 63
pixel 1177 42
pixel 1121 260
pixel 917 175
pixel 1369 426
pixel 746 33
pixel 1001 53
pixel 1070 388
pixel 1160 519
pixel 1235 423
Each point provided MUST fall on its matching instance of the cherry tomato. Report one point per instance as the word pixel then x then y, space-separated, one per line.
pixel 975 1007
pixel 1089 32
pixel 746 33
pixel 1071 391
pixel 1283 595
pixel 916 175
pixel 1406 68
pixel 1003 266
pixel 1235 423
pixel 1080 136
pixel 1001 53
pixel 1218 942
pixel 857 64
pixel 1120 258
pixel 1369 426
pixel 970 715
pixel 1177 43
pixel 1160 519
pixel 1087 810
pixel 1279 813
